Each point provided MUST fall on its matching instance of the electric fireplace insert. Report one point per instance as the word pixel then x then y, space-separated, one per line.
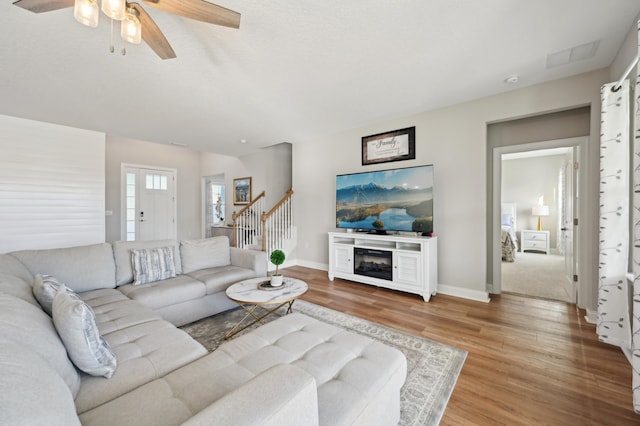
pixel 373 263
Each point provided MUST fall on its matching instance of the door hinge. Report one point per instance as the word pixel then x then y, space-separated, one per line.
pixel 575 278
pixel 576 165
pixel 575 222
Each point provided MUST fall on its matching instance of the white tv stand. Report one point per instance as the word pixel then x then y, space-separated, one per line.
pixel 414 260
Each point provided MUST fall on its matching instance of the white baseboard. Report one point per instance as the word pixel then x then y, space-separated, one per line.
pixel 312 265
pixel 271 267
pixel 480 296
pixel 465 293
pixel 591 317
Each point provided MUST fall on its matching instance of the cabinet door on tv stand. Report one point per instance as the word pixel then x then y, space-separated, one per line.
pixel 407 269
pixel 343 258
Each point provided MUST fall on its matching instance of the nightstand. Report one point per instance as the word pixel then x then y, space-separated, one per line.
pixel 534 240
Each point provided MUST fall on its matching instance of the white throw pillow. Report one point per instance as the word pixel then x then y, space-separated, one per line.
pixel 206 253
pixel 152 264
pixel 75 322
pixel 45 288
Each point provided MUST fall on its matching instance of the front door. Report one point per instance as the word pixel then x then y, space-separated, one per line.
pixel 149 209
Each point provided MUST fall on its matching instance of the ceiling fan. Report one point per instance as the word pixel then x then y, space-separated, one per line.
pixel 136 22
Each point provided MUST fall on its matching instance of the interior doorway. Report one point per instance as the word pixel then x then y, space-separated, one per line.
pixel 537 194
pixel 215 204
pixel 538 182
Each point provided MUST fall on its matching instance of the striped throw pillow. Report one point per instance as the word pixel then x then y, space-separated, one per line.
pixel 152 264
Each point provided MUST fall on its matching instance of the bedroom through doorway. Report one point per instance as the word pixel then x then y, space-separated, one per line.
pixel 537 214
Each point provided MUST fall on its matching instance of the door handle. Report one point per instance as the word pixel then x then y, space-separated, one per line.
pixel 564 229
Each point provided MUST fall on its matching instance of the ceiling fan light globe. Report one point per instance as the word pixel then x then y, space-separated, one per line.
pixel 86 12
pixel 131 28
pixel 114 9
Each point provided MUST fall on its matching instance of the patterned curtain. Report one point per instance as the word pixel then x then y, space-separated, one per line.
pixel 635 359
pixel 613 324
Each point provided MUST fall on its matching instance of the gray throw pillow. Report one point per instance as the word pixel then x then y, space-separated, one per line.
pixel 152 264
pixel 45 288
pixel 75 322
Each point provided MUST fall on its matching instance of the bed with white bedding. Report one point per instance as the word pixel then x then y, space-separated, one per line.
pixel 508 234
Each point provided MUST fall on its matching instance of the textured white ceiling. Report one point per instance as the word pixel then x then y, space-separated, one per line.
pixel 295 70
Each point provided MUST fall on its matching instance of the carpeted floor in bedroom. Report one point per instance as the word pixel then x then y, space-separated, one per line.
pixel 538 275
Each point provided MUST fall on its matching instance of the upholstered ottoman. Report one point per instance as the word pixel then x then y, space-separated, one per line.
pixel 358 378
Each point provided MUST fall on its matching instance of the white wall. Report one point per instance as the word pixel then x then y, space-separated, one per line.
pixel 51 185
pixel 627 52
pixel 269 169
pixel 524 180
pixel 185 161
pixel 454 140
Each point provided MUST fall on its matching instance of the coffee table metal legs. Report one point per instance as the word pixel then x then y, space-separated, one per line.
pixel 250 310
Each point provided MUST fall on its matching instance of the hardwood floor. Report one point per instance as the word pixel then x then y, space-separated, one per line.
pixel 530 361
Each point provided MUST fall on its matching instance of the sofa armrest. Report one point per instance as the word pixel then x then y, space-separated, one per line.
pixel 282 395
pixel 250 259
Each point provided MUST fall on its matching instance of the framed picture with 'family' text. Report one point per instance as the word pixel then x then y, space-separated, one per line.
pixel 396 145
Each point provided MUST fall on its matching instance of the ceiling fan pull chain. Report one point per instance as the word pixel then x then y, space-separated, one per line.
pixel 111 48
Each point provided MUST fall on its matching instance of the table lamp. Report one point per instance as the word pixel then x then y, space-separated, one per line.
pixel 540 211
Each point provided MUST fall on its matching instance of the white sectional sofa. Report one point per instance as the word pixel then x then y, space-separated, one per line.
pixel 295 370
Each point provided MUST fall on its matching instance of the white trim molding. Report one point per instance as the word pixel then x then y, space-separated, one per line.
pixel 464 293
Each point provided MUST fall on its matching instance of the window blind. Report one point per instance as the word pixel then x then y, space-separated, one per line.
pixel 52 185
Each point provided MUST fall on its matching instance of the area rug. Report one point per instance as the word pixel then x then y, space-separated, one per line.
pixel 432 367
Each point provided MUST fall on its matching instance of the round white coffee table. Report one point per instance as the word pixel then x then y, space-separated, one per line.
pixel 250 298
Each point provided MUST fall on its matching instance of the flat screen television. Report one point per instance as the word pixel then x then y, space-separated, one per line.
pixel 386 200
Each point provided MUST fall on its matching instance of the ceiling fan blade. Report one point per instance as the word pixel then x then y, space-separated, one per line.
pixel 152 35
pixel 199 10
pixel 40 6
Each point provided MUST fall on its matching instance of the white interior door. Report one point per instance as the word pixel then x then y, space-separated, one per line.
pixel 149 209
pixel 567 221
pixel 569 212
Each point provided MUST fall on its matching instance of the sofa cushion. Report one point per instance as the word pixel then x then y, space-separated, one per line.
pixel 152 264
pixel 33 393
pixel 45 288
pixel 15 286
pixel 81 268
pixel 76 325
pixel 15 279
pixel 283 396
pixel 115 311
pixel 145 352
pixel 250 259
pixel 206 253
pixel 33 329
pixel 167 292
pixel 218 279
pixel 11 265
pixel 122 256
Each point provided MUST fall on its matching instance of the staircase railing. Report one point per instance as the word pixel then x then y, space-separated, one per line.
pixel 247 223
pixel 277 224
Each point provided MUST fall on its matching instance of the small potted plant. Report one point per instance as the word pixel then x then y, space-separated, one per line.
pixel 277 258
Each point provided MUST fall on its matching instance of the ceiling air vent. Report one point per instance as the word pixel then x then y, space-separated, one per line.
pixel 574 54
